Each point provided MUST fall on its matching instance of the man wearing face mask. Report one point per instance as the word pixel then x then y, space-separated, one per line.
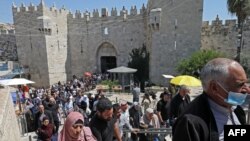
pixel 224 90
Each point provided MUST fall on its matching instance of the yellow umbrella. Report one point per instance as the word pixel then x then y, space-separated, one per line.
pixel 186 80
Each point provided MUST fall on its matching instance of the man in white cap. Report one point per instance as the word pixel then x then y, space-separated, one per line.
pixel 149 120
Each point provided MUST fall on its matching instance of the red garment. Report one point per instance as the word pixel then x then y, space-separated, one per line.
pixel 25 89
pixel 45 132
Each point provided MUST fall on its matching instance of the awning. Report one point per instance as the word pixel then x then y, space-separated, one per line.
pixel 15 81
pixel 122 69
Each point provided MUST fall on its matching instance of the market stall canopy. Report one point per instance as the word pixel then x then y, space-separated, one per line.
pixel 122 69
pixel 15 81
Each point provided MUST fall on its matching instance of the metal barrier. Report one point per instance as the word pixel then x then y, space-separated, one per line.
pixel 22 123
pixel 162 131
pixel 247 111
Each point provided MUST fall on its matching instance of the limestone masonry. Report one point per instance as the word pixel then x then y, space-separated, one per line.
pixel 57 43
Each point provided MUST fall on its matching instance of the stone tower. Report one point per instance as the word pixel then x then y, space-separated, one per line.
pixel 174 33
pixel 42 42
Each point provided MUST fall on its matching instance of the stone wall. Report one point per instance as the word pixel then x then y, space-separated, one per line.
pixel 89 40
pixel 175 36
pixel 222 36
pixel 9 130
pixel 8 50
pixel 219 36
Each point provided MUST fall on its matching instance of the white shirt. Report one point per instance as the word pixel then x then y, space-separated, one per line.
pixel 124 121
pixel 222 117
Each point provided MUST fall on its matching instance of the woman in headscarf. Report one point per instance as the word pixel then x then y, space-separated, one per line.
pixel 45 131
pixel 74 130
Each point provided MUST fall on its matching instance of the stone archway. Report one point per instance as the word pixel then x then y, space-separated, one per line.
pixel 106 57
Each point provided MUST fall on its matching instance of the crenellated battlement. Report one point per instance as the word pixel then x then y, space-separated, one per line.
pixel 41 7
pixel 104 12
pixel 24 8
pixel 218 27
pixel 218 22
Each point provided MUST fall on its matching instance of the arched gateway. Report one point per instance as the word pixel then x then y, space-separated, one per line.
pixel 106 57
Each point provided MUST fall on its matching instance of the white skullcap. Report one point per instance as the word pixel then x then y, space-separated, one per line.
pixel 150 110
pixel 123 102
pixel 135 103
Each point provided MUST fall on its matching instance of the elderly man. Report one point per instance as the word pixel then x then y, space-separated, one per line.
pixel 149 120
pixel 206 116
pixel 179 102
pixel 40 115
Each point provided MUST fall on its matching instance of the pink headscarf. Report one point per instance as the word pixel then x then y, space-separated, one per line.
pixel 70 121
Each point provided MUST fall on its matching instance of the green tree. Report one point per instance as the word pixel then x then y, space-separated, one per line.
pixel 245 63
pixel 237 7
pixel 194 64
pixel 247 7
pixel 140 61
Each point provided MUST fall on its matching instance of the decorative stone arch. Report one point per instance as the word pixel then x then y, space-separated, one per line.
pixel 106 57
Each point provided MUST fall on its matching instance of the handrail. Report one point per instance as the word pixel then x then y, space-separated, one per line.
pixel 152 130
pixel 164 131
pixel 22 124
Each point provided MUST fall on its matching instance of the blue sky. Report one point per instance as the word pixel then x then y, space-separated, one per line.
pixel 210 10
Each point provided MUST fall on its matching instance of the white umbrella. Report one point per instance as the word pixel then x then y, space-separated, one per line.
pixel 167 76
pixel 15 81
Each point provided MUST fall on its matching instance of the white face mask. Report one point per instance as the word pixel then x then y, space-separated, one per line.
pixel 234 98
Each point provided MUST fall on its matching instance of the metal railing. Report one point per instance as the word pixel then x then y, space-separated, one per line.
pixel 22 123
pixel 247 112
pixel 162 132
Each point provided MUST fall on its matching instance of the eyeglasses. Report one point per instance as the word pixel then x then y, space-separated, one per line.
pixel 75 126
pixel 240 84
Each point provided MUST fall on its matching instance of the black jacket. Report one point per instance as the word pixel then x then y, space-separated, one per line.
pixel 197 123
pixel 178 105
pixel 134 117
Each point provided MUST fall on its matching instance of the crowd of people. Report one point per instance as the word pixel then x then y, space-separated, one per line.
pixel 93 117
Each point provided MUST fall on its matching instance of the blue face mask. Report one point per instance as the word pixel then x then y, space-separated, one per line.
pixel 234 98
